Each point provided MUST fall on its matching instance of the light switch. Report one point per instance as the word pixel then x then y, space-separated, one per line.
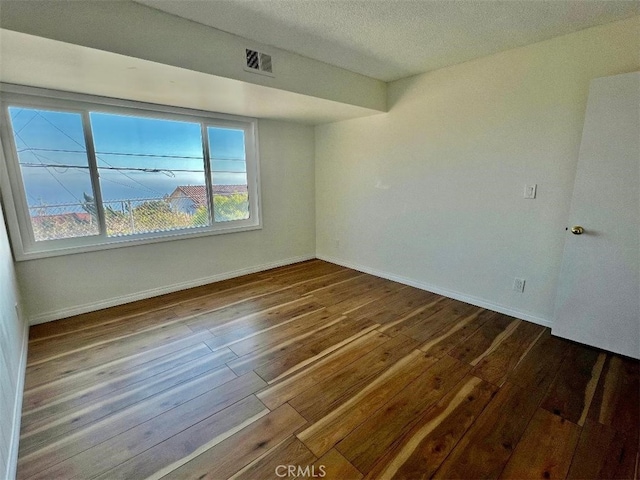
pixel 530 191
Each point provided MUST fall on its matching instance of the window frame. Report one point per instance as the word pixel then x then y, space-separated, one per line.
pixel 12 186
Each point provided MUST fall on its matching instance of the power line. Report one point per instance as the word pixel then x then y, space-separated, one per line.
pixel 25 125
pixel 20 111
pixel 118 183
pixel 146 155
pixel 189 157
pixel 127 169
pixel 60 130
pixel 47 169
pixel 84 147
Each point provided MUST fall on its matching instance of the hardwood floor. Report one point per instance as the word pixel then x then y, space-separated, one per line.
pixel 315 370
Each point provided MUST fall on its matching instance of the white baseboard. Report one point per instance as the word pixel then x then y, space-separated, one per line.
pixel 154 292
pixel 111 302
pixel 479 302
pixel 12 459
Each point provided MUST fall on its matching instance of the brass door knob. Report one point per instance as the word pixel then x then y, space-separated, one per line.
pixel 577 230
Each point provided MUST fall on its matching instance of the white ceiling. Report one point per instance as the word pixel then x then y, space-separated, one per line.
pixel 391 39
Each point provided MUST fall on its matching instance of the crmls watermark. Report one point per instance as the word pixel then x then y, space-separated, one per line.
pixel 309 471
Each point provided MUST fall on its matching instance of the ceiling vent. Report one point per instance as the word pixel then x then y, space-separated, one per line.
pixel 258 62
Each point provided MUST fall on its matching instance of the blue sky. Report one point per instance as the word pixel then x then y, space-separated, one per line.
pixel 50 144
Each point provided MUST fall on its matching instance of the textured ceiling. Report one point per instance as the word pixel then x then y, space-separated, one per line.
pixel 391 39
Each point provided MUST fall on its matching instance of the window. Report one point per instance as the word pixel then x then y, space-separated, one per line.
pixel 87 173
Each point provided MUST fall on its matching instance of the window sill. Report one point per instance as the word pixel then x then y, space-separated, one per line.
pixel 130 241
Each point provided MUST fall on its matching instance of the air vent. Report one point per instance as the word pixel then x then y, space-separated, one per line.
pixel 253 59
pixel 258 62
pixel 265 63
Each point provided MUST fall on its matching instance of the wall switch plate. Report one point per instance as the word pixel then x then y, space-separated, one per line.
pixel 530 191
pixel 518 285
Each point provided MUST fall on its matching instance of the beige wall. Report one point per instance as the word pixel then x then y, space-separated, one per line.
pixel 60 286
pixel 431 193
pixel 13 338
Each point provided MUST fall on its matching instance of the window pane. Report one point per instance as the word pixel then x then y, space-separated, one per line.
pixel 55 173
pixel 228 174
pixel 151 174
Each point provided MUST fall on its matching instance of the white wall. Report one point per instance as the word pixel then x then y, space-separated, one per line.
pixel 60 286
pixel 431 193
pixel 13 340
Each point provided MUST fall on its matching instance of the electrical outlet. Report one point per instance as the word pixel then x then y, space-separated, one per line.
pixel 518 285
pixel 530 191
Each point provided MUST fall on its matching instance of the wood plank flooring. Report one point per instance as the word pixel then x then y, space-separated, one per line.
pixel 317 371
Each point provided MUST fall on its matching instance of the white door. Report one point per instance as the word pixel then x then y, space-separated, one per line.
pixel 598 300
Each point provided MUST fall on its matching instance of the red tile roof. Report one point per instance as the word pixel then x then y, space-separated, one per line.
pixel 198 193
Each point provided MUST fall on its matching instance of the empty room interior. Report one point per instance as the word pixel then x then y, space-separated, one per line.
pixel 320 239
